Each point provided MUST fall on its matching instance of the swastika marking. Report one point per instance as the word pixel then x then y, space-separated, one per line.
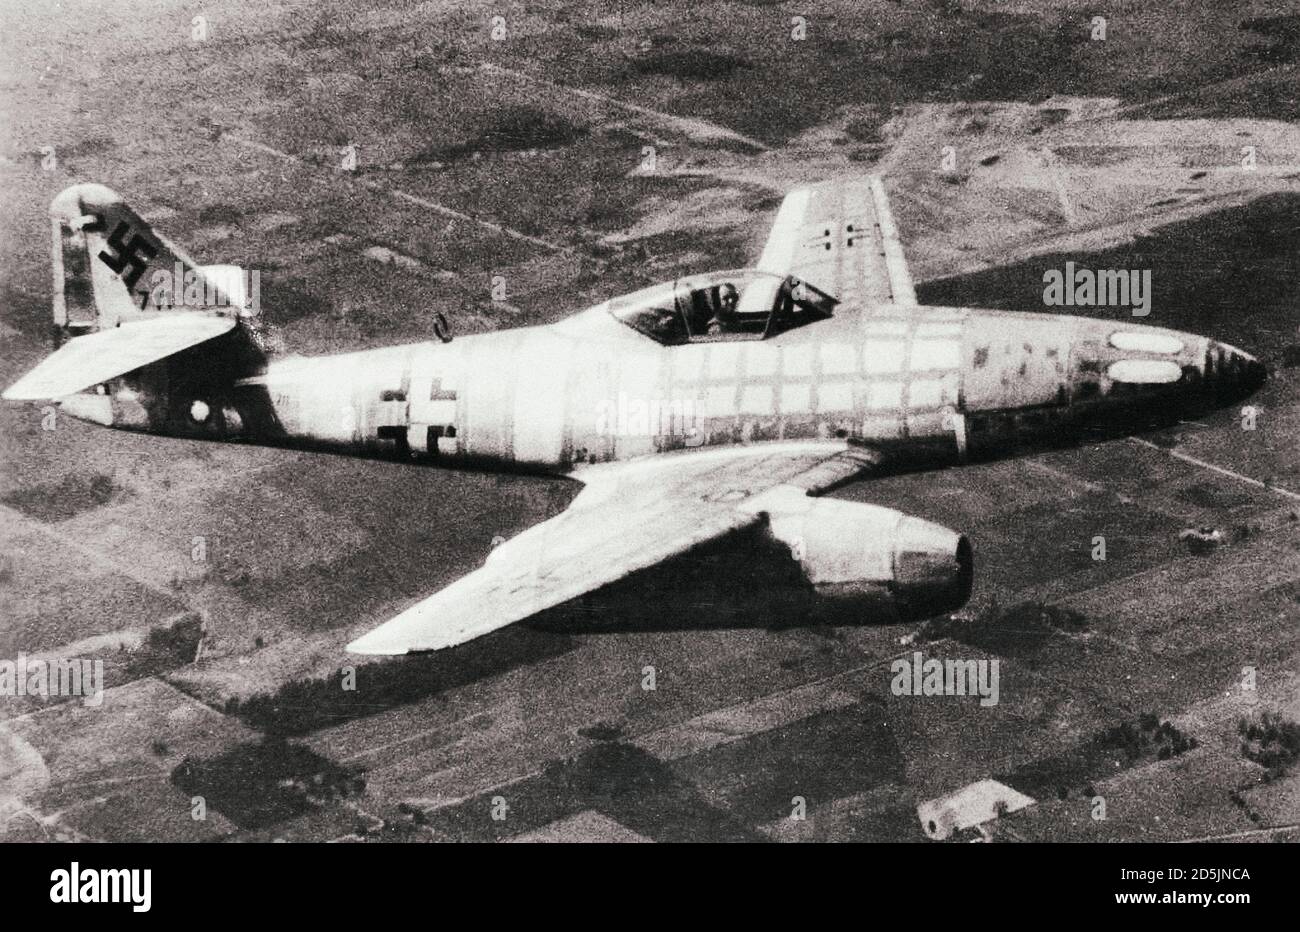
pixel 132 254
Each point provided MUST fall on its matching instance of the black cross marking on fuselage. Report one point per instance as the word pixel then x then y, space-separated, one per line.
pixel 133 254
pixel 438 393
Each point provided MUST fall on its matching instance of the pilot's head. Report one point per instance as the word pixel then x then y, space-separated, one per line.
pixel 728 297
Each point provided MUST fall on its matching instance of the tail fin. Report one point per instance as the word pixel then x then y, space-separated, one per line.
pixel 111 267
pixel 124 296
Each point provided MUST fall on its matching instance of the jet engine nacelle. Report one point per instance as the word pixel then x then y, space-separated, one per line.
pixel 860 553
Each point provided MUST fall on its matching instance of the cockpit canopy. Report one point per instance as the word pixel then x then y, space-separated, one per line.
pixel 743 304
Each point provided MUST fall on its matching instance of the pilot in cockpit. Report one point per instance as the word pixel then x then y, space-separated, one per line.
pixel 724 319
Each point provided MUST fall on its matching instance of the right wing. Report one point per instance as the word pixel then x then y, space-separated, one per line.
pixel 839 235
pixel 630 516
pixel 98 357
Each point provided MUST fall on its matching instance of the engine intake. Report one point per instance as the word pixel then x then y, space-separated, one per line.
pixel 851 551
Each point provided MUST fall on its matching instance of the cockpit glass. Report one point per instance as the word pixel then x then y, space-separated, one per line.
pixel 744 304
pixel 654 312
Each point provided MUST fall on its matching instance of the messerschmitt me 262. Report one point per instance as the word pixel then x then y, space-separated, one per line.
pixel 755 392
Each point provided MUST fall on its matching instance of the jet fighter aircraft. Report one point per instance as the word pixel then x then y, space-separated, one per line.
pixel 689 410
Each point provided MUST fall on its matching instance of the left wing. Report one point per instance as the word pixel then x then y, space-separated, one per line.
pixel 629 517
pixel 839 235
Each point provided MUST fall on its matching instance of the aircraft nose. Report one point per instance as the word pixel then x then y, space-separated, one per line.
pixel 1233 371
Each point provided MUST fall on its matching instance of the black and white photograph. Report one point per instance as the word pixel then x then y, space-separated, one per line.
pixel 594 421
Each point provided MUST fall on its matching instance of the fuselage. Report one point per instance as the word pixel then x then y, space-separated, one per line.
pixel 925 386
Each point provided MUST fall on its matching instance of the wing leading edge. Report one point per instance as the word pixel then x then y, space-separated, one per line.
pixel 629 517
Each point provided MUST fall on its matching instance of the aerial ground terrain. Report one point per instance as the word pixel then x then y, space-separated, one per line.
pixel 590 150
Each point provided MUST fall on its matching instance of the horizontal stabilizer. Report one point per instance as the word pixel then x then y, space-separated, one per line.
pixel 98 357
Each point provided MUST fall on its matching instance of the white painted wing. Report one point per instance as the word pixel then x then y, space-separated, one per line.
pixel 839 235
pixel 629 517
pixel 98 357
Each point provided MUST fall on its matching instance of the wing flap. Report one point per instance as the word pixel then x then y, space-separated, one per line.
pixel 98 357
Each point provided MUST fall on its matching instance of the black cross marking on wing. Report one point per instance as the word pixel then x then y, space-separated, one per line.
pixel 133 254
pixel 823 241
